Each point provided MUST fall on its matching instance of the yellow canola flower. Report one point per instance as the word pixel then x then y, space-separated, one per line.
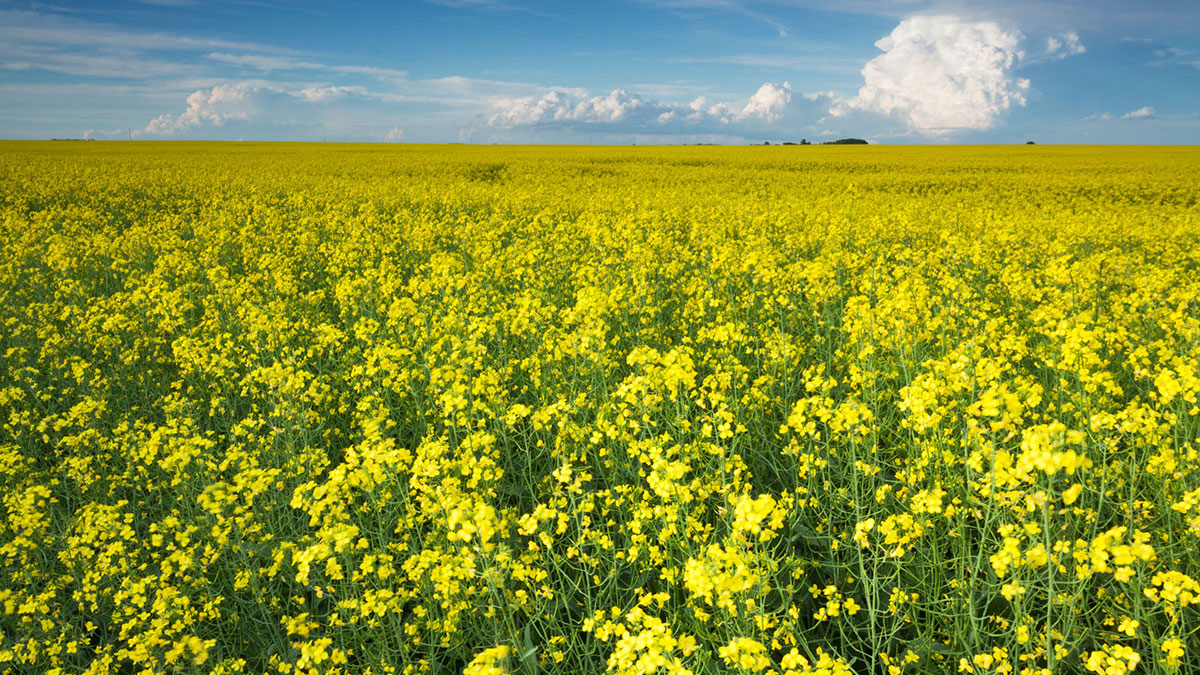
pixel 1071 494
pixel 750 514
pixel 794 663
pixel 1111 660
pixel 1041 450
pixel 1173 650
pixel 1174 589
pixel 489 662
pixel 746 655
pixel 720 576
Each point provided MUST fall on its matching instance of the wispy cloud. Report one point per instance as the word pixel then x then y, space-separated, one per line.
pixel 73 46
pixel 35 41
pixel 495 6
pixel 274 62
pixel 56 30
pixel 1173 53
pixel 725 6
pixel 112 64
pixel 1175 56
pixel 1143 113
pixel 491 5
pixel 791 62
pixel 168 3
pixel 672 90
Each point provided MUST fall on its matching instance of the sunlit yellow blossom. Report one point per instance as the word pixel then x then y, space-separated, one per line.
pixel 746 655
pixel 1173 651
pixel 1112 660
pixel 489 662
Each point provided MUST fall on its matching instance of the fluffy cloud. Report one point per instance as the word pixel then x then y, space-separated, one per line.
pixel 215 106
pixel 564 106
pixel 322 94
pixel 104 133
pixel 244 101
pixel 768 104
pixel 528 110
pixel 620 108
pixel 394 135
pixel 1061 46
pixel 1143 113
pixel 942 74
pixel 616 107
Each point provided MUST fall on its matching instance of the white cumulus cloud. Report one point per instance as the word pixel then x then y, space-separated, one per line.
pixel 563 105
pixel 394 134
pixel 1143 113
pixel 215 106
pixel 514 112
pixel 1061 46
pixel 621 108
pixel 246 101
pixel 322 94
pixel 769 102
pixel 617 106
pixel 942 74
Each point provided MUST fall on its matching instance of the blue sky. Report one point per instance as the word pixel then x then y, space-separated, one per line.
pixel 644 71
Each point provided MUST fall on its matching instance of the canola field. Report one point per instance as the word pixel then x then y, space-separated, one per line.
pixel 300 409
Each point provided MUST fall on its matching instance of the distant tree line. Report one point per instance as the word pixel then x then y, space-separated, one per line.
pixel 840 141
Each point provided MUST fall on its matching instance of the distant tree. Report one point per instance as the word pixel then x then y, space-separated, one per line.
pixel 846 141
pixel 804 141
pixel 1030 143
